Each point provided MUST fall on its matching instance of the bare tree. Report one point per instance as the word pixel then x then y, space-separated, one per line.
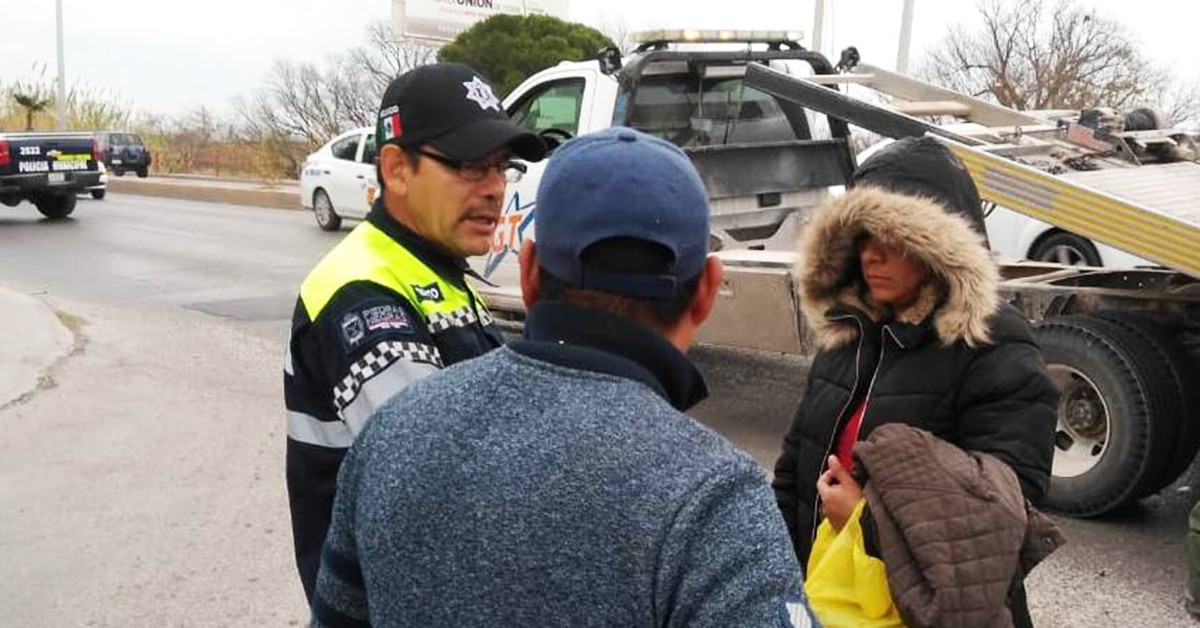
pixel 304 104
pixel 617 29
pixel 1180 104
pixel 1029 54
pixel 303 100
pixel 190 136
pixel 384 58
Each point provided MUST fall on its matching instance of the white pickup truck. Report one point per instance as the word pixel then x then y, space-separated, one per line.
pixel 764 160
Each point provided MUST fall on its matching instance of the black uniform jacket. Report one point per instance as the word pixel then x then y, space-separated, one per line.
pixel 384 309
pixel 957 363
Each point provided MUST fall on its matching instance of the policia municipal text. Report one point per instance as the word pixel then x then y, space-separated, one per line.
pixel 390 304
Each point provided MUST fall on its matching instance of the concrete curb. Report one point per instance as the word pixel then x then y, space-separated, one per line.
pixel 34 339
pixel 208 177
pixel 233 194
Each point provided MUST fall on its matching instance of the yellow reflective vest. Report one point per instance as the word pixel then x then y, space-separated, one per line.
pixel 369 254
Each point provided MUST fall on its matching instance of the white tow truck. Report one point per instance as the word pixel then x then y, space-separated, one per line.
pixel 763 163
pixel 768 125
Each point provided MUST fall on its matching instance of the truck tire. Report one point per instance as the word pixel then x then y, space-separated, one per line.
pixel 1107 451
pixel 1181 374
pixel 99 194
pixel 1061 247
pixel 1162 393
pixel 143 172
pixel 118 172
pixel 55 206
pixel 327 217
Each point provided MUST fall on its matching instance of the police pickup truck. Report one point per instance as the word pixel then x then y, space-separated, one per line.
pixel 47 169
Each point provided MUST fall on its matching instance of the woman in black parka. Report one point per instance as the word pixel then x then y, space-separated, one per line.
pixel 900 290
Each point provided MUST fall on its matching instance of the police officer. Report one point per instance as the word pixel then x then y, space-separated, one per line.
pixel 390 305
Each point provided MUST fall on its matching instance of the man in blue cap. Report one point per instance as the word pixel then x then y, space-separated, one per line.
pixel 557 481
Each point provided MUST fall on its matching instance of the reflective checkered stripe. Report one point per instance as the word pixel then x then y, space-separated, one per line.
pixel 378 359
pixel 461 308
pixel 442 321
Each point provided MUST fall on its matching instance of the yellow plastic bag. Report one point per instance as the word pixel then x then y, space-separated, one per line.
pixel 846 587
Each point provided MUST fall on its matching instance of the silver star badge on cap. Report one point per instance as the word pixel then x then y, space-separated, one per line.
pixel 482 94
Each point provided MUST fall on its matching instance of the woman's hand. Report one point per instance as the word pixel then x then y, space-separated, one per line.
pixel 839 493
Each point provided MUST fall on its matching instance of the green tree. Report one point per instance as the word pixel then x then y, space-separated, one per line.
pixel 32 102
pixel 508 49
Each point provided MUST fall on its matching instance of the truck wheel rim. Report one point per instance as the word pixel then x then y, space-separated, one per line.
pixel 1083 431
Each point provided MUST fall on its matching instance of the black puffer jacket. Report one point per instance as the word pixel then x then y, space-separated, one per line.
pixel 957 363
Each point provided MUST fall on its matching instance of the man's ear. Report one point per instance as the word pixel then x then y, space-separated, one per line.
pixel 395 169
pixel 530 289
pixel 706 293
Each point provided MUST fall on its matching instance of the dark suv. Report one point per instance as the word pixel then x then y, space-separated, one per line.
pixel 123 152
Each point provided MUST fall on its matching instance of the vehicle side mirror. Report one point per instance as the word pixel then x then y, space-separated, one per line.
pixel 610 60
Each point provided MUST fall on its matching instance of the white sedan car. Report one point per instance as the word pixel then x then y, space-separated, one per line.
pixel 1015 236
pixel 338 181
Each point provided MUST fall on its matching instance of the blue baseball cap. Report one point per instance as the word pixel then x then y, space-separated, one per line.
pixel 621 183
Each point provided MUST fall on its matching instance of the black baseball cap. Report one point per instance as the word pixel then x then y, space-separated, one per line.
pixel 450 106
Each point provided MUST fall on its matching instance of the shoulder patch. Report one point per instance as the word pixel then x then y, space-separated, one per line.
pixel 370 320
pixel 353 330
pixel 432 293
pixel 386 317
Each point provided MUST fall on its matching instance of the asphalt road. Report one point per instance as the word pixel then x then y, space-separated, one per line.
pixel 143 484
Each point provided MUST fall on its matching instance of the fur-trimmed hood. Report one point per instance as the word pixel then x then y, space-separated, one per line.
pixel 961 298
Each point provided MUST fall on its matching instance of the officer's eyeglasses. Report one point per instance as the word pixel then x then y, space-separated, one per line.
pixel 512 171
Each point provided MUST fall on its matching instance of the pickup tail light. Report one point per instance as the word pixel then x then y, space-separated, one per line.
pixel 95 151
pixel 5 157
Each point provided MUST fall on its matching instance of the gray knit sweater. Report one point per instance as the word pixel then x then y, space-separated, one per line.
pixel 515 491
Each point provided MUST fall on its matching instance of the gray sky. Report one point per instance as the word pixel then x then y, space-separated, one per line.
pixel 168 56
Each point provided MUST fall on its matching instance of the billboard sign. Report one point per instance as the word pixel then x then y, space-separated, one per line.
pixel 443 20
